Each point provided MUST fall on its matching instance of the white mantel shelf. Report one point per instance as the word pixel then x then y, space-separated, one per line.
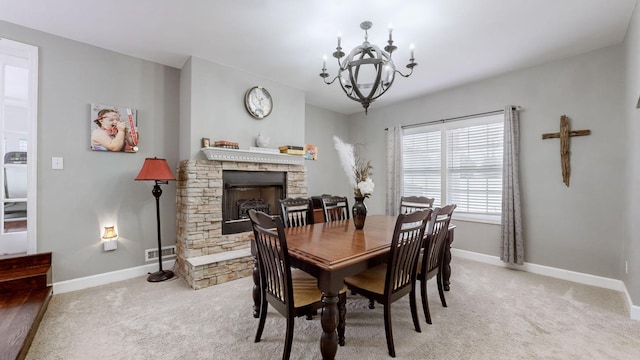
pixel 222 154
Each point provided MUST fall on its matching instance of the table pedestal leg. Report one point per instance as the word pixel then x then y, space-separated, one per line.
pixel 329 321
pixel 342 311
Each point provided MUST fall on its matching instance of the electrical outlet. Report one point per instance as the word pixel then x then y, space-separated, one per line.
pixel 626 267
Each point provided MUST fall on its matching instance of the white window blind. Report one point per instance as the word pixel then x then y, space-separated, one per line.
pixel 459 161
pixel 474 168
pixel 422 164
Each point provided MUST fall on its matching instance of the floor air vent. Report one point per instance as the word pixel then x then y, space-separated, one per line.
pixel 168 252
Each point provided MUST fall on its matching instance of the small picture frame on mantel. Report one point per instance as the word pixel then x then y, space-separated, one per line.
pixel 311 152
pixel 205 142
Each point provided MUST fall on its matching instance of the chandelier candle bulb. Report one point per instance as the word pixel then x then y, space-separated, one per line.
pixel 390 31
pixel 339 39
pixel 412 47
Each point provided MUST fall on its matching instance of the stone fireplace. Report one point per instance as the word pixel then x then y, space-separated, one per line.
pixel 207 255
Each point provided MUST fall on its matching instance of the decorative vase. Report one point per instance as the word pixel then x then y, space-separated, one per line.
pixel 359 211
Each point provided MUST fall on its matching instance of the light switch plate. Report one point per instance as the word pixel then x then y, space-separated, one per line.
pixel 57 163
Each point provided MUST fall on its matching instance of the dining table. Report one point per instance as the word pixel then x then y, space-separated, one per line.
pixel 332 251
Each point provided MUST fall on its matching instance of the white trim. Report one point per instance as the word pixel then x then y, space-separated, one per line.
pixel 478 218
pixel 32 153
pixel 107 278
pixel 581 278
pixel 223 154
pixel 634 310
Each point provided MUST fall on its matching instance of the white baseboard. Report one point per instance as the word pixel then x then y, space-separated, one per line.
pixel 581 278
pixel 107 278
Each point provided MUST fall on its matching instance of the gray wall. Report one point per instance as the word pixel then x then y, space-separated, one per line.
pixel 579 228
pixel 631 250
pixel 215 100
pixel 97 189
pixel 325 175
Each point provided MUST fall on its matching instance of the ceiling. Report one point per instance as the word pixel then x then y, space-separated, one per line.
pixel 456 41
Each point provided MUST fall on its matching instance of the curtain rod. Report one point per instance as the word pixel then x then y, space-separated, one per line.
pixel 464 117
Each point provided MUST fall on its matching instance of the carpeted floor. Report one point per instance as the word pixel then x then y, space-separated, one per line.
pixel 493 313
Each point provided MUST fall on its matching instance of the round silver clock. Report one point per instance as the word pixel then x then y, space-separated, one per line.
pixel 258 102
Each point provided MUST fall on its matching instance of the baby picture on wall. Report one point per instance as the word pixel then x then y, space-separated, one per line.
pixel 113 128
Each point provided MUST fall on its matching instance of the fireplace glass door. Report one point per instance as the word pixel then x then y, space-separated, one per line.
pixel 245 190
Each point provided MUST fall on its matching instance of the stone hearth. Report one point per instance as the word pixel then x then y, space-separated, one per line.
pixel 205 257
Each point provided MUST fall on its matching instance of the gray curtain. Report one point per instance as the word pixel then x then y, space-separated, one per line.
pixel 394 170
pixel 511 226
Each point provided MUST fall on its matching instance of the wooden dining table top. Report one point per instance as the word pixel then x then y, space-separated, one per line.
pixel 337 244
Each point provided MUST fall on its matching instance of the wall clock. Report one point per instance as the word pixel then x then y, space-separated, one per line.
pixel 258 102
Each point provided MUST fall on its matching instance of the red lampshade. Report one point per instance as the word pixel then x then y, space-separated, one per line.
pixel 155 169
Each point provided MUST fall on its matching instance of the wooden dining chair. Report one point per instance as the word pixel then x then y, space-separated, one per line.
pixel 431 260
pixel 291 292
pixel 409 204
pixel 390 281
pixel 335 208
pixel 296 211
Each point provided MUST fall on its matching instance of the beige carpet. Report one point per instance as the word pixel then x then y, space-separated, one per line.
pixel 493 313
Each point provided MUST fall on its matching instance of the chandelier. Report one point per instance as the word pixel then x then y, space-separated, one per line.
pixel 367 72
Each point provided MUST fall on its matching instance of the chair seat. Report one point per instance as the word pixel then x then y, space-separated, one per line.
pixel 371 280
pixel 305 288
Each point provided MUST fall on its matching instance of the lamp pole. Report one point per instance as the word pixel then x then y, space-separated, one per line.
pixel 160 275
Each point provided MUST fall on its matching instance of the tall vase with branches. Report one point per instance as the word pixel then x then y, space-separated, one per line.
pixel 359 174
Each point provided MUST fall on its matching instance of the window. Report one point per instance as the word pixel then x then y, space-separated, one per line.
pixel 459 161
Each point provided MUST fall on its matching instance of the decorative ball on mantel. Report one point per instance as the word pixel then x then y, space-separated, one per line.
pixel 262 141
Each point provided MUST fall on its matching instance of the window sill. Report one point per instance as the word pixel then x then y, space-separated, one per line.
pixel 485 219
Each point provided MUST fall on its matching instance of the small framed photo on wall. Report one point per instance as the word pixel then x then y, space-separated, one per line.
pixel 113 128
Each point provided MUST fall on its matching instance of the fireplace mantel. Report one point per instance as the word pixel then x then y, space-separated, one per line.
pixel 222 154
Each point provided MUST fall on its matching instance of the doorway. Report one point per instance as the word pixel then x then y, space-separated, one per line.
pixel 18 119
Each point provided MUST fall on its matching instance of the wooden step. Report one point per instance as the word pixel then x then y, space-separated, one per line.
pixel 20 316
pixel 24 296
pixel 23 279
pixel 25 272
pixel 23 261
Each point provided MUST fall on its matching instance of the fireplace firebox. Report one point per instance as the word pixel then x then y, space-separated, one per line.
pixel 245 190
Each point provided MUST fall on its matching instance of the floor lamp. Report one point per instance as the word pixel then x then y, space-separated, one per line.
pixel 157 170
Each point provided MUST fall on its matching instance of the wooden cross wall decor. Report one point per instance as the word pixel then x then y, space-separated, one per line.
pixel 564 135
